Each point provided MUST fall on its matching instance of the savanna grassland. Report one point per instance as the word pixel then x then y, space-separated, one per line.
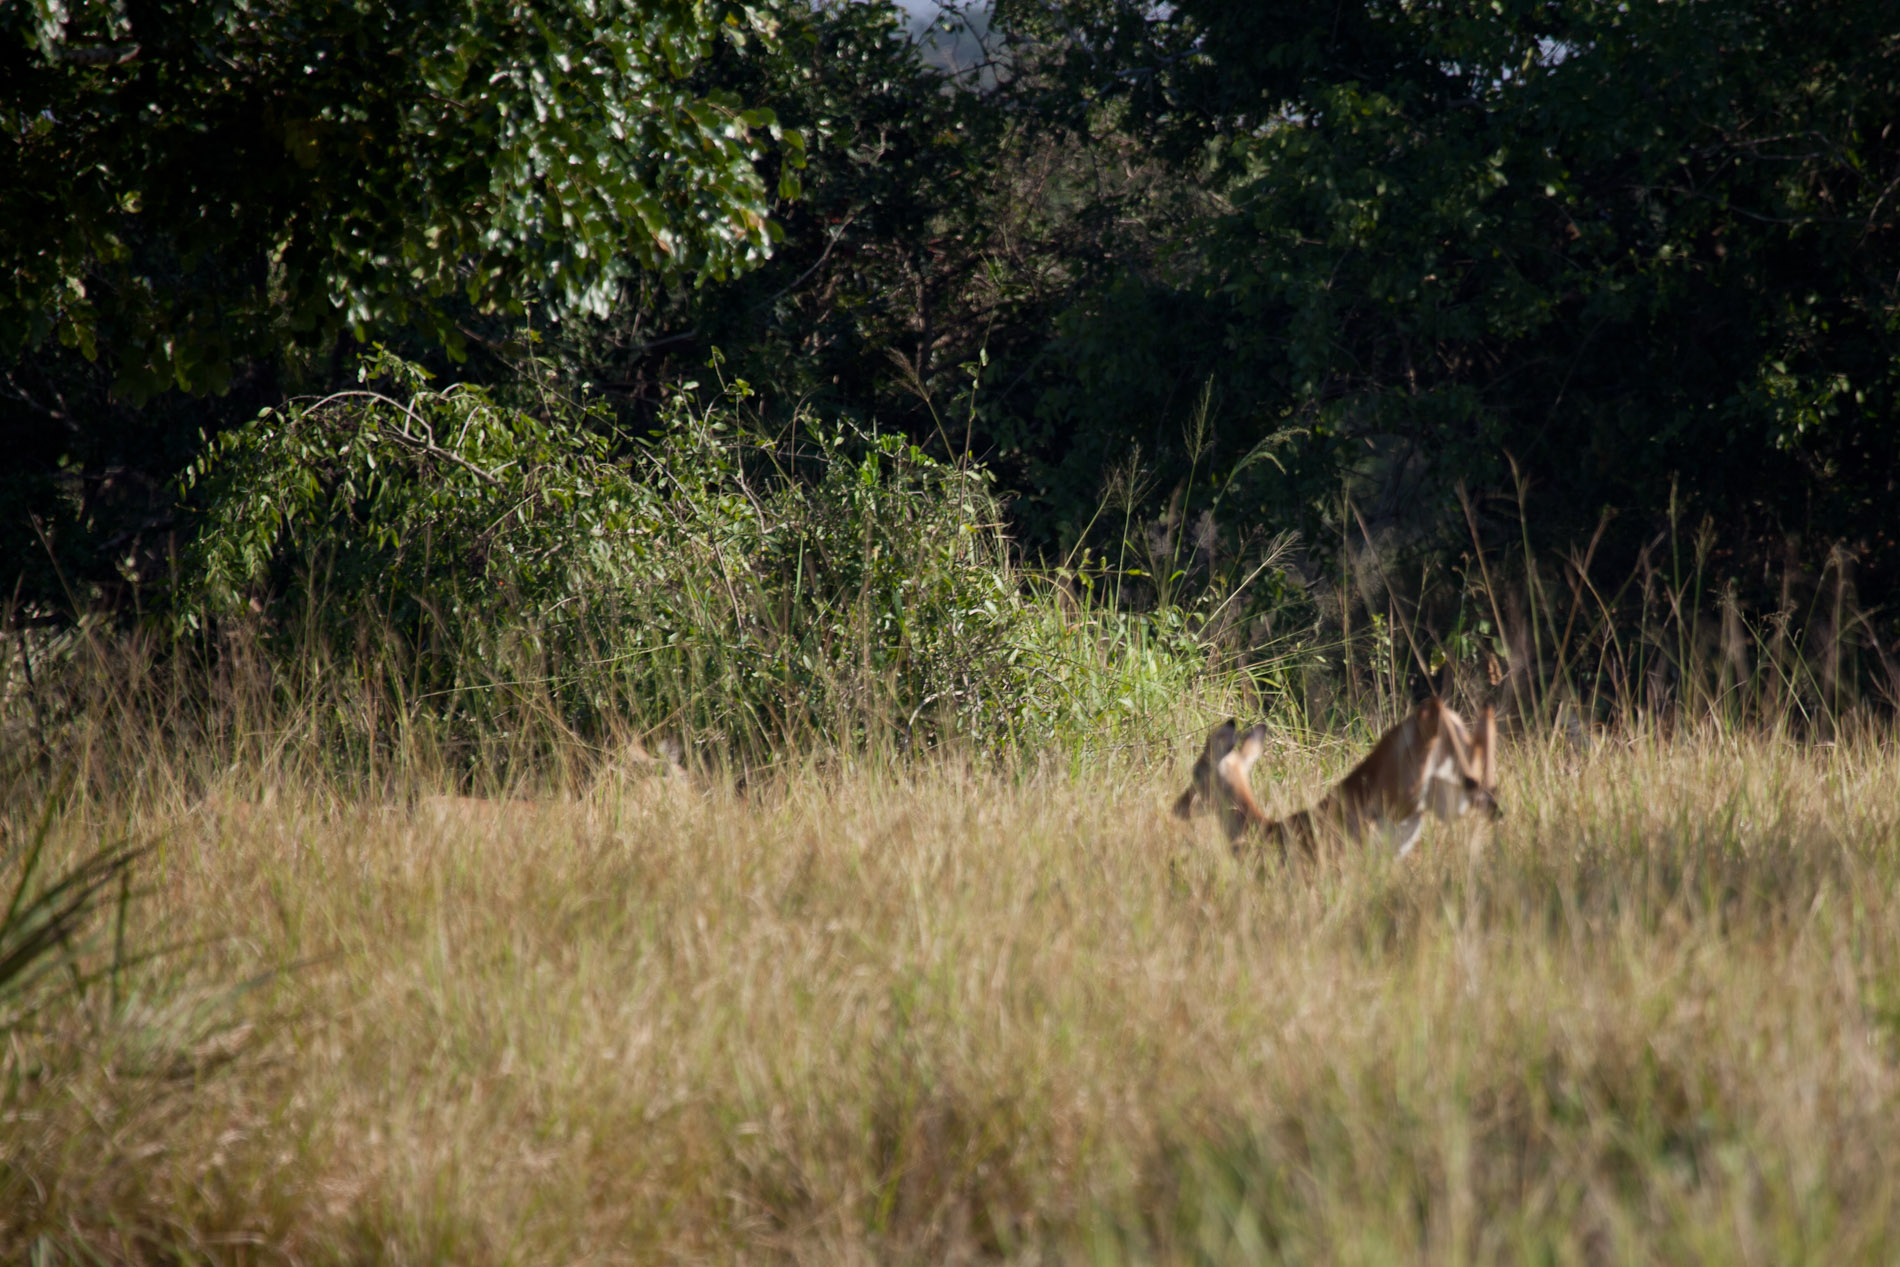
pixel 601 606
pixel 870 1012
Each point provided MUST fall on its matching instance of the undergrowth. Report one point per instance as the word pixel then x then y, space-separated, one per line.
pixel 521 575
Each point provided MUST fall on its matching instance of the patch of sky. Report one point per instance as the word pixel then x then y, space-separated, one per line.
pixel 954 37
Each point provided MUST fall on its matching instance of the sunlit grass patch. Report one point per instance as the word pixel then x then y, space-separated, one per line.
pixel 861 1014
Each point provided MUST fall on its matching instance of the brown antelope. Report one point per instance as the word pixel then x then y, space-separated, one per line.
pixel 1431 761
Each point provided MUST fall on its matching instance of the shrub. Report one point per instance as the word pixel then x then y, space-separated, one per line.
pixel 834 585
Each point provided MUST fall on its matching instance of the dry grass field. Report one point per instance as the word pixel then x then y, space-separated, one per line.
pixel 946 1016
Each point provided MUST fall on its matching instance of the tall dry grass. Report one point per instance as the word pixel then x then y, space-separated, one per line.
pixel 866 1015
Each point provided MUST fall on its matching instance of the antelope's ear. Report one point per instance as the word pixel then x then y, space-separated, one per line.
pixel 1487 746
pixel 1221 742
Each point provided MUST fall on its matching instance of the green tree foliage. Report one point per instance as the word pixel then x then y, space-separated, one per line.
pixel 938 221
pixel 200 206
pixel 1627 246
pixel 183 185
pixel 877 248
pixel 1619 251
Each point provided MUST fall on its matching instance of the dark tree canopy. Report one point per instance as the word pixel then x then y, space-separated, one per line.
pixel 1638 260
pixel 184 186
pixel 1626 246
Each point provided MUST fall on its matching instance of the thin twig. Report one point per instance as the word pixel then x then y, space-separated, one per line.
pixel 416 443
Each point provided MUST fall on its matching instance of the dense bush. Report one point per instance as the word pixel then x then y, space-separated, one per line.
pixel 827 584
